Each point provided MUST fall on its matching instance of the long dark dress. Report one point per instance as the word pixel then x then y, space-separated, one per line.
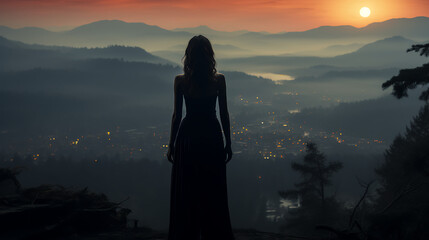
pixel 198 200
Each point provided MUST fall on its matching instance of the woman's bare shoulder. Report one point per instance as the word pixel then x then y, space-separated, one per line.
pixel 220 78
pixel 179 77
pixel 178 80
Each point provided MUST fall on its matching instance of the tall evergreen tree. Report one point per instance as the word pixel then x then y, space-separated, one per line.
pixel 402 204
pixel 315 206
pixel 408 157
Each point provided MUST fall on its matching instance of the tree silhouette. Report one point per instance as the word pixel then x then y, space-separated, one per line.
pixel 315 207
pixel 408 155
pixel 316 173
pixel 407 159
pixel 411 78
pixel 401 206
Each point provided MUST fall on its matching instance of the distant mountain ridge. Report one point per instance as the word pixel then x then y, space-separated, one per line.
pixel 25 56
pixel 97 34
pixel 391 27
pixel 385 53
pixel 154 38
pixel 206 30
pixel 122 28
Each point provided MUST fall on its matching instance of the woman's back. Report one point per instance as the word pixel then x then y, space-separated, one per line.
pixel 200 101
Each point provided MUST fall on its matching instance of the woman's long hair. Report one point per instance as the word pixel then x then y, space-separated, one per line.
pixel 199 62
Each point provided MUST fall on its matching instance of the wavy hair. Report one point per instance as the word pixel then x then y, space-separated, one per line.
pixel 199 64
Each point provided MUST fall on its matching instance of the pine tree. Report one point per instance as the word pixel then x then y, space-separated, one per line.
pixel 401 208
pixel 407 158
pixel 315 206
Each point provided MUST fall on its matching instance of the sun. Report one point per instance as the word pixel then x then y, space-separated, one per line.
pixel 365 12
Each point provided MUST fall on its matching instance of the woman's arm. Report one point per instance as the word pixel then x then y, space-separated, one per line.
pixel 224 116
pixel 177 117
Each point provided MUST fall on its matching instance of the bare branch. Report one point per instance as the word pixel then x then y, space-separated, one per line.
pixel 359 202
pixel 406 190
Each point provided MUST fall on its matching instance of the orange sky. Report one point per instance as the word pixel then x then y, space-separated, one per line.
pixel 256 15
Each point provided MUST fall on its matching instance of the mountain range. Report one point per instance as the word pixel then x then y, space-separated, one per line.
pixel 384 53
pixel 19 56
pixel 154 38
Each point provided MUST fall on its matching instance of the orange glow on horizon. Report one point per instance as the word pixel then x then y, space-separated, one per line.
pixel 227 15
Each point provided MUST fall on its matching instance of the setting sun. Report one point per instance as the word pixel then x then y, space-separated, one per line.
pixel 365 12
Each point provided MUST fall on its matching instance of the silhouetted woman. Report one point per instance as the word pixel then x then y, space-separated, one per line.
pixel 198 200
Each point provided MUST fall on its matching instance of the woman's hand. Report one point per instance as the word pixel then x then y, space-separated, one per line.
pixel 228 152
pixel 170 153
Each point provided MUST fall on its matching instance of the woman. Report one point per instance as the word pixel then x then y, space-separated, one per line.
pixel 198 200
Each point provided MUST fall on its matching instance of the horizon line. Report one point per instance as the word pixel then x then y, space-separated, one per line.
pixel 69 28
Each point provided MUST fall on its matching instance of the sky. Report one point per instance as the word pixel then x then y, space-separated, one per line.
pixel 227 15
